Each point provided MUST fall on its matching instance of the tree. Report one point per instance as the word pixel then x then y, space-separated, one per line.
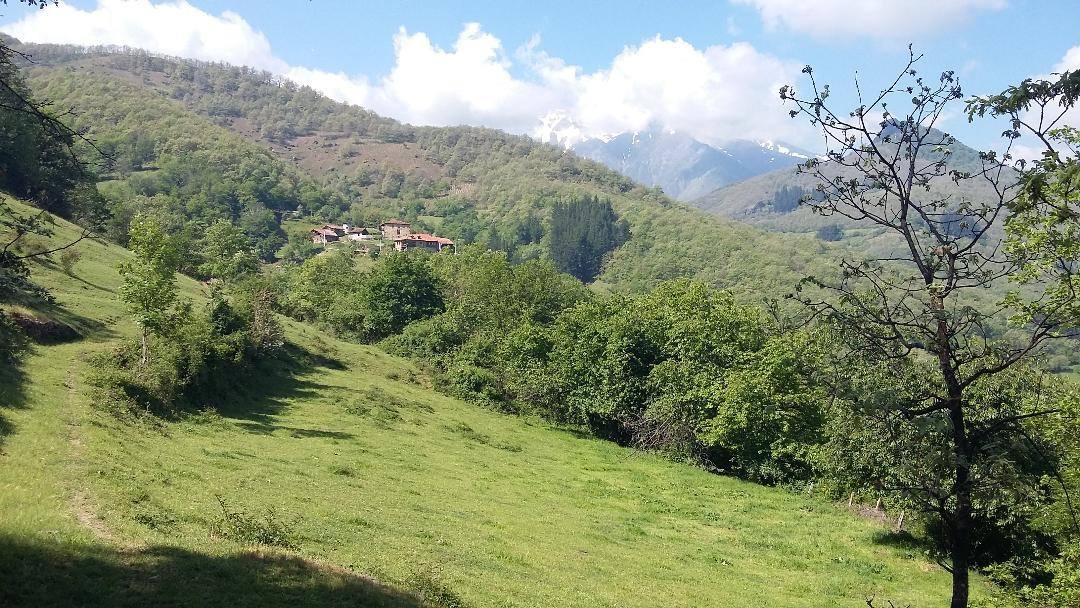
pixel 149 287
pixel 1044 225
pixel 582 232
pixel 299 248
pixel 401 289
pixel 38 164
pixel 923 307
pixel 226 252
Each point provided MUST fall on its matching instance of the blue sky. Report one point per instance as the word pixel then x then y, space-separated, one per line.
pixel 586 68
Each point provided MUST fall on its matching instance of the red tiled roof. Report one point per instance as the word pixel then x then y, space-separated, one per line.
pixel 425 238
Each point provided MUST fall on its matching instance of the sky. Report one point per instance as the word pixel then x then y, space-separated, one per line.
pixel 589 69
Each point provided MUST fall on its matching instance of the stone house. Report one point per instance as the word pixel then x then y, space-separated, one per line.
pixel 393 230
pixel 324 236
pixel 422 240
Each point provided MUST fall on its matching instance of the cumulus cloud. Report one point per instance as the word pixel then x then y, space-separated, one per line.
pixel 172 28
pixel 869 18
pixel 716 93
pixel 1071 60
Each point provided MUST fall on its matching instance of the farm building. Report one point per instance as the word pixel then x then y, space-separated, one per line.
pixel 422 240
pixel 324 235
pixel 359 233
pixel 393 230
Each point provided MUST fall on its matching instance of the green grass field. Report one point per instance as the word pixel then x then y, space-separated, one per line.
pixel 374 477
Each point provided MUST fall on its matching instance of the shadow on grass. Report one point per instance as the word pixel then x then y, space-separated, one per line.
pixel 80 326
pixel 264 389
pixel 264 428
pixel 12 393
pixel 47 573
pixel 903 541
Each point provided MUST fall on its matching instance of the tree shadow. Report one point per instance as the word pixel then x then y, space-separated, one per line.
pixel 903 541
pixel 265 388
pixel 265 428
pixel 12 393
pixel 49 573
pixel 71 326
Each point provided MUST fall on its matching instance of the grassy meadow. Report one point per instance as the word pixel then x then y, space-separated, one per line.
pixel 370 489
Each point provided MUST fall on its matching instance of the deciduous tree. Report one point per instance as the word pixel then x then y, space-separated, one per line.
pixel 922 307
pixel 149 287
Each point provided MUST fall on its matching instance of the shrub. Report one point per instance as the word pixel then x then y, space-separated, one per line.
pixel 68 259
pixel 248 529
pixel 432 591
pixel 198 357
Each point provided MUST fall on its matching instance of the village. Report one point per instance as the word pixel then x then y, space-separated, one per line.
pixel 398 232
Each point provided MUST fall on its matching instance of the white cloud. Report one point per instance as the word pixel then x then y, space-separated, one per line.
pixel 716 93
pixel 1028 147
pixel 172 28
pixel 892 19
pixel 1071 60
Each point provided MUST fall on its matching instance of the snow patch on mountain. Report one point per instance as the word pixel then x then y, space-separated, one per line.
pixel 682 166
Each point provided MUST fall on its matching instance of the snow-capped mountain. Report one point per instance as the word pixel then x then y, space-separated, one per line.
pixel 684 167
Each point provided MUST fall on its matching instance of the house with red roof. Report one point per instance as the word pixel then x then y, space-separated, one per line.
pixel 422 240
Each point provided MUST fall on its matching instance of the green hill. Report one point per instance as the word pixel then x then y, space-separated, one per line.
pixel 158 116
pixel 771 200
pixel 371 476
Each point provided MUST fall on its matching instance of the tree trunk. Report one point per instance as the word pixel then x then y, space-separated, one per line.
pixel 145 348
pixel 961 524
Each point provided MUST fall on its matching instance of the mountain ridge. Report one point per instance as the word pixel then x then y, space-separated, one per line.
pixel 684 167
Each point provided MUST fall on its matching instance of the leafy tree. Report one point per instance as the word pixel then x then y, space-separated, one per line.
pixel 149 286
pixel 226 252
pixel 39 163
pixel 921 309
pixel 1043 229
pixel 401 289
pixel 263 229
pixel 299 248
pixel 326 288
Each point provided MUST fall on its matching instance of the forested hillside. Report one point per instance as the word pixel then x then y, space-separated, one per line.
pixel 771 200
pixel 170 125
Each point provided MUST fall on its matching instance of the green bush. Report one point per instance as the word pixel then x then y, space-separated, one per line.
pixel 69 258
pixel 269 530
pixel 194 361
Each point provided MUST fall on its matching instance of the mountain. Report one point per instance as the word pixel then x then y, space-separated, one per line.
pixel 206 141
pixel 682 166
pixel 771 200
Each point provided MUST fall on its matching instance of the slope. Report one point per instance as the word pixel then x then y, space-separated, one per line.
pixel 474 185
pixel 369 472
pixel 770 200
pixel 683 167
